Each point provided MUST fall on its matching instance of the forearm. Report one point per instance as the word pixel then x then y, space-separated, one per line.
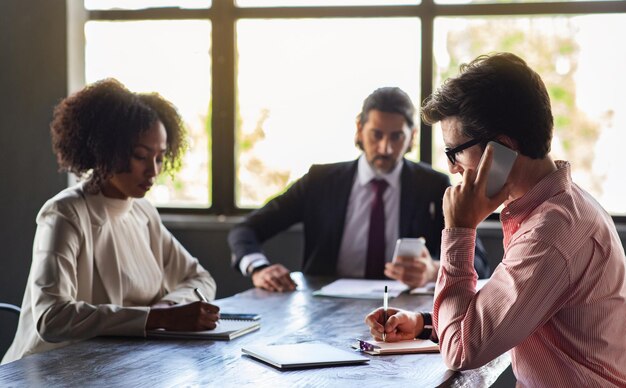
pixel 80 320
pixel 454 294
pixel 476 327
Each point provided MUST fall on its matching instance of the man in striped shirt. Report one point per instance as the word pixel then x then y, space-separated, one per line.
pixel 558 298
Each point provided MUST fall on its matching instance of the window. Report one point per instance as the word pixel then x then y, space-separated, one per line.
pixel 300 108
pixel 582 75
pixel 268 87
pixel 172 58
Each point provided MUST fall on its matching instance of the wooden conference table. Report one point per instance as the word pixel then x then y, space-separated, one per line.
pixel 286 318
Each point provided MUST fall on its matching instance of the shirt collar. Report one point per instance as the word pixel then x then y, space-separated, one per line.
pixel 366 173
pixel 551 185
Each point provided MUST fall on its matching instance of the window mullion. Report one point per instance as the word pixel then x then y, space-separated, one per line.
pixel 223 101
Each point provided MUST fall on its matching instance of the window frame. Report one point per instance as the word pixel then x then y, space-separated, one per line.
pixel 224 15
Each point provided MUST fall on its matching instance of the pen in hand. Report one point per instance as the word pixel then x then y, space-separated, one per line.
pixel 385 298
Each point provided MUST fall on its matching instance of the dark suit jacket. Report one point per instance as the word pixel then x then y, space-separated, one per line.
pixel 320 199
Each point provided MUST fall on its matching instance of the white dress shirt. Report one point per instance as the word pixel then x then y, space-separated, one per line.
pixel 353 250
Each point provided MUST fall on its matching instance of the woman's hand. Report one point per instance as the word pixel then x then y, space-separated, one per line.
pixel 401 324
pixel 194 316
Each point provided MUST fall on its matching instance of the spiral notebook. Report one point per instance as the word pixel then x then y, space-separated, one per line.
pixel 376 348
pixel 227 329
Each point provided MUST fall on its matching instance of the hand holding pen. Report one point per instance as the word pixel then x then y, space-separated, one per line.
pixel 195 316
pixel 394 325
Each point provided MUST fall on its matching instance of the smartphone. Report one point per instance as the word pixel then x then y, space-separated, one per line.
pixel 241 316
pixel 409 247
pixel 501 165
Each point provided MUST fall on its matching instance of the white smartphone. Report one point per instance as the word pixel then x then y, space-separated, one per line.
pixel 409 247
pixel 501 165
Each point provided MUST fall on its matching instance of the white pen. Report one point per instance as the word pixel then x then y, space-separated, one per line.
pixel 200 295
pixel 385 298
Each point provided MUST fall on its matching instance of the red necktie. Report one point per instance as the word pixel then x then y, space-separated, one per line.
pixel 375 263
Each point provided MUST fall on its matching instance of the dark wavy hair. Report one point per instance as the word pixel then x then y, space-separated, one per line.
pixel 94 130
pixel 389 100
pixel 497 94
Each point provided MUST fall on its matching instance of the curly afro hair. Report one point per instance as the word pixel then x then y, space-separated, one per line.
pixel 94 131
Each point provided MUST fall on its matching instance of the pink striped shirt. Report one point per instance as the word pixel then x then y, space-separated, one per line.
pixel 557 300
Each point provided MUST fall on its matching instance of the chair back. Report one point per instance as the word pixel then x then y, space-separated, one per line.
pixel 9 316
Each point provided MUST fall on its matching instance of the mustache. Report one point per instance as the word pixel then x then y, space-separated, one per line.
pixel 382 157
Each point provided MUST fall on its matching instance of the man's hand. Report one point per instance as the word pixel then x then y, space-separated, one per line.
pixel 413 271
pixel 401 324
pixel 194 316
pixel 466 205
pixel 273 278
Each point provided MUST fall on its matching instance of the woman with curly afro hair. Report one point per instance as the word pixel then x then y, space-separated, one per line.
pixel 103 263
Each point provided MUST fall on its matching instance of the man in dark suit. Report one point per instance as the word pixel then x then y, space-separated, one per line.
pixel 353 212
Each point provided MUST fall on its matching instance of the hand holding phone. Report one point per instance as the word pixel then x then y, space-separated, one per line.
pixel 501 165
pixel 409 247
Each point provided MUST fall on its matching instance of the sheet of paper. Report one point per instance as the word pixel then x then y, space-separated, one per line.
pixel 429 288
pixel 361 289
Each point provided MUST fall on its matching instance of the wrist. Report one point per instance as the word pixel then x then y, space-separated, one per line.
pixel 427 328
pixel 256 267
pixel 155 318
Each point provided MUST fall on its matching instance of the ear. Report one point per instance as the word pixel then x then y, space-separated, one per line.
pixel 358 135
pixel 507 141
pixel 413 135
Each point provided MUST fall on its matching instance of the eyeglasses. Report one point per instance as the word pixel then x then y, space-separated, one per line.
pixel 451 152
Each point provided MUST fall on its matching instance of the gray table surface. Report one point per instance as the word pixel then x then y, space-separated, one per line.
pixel 286 318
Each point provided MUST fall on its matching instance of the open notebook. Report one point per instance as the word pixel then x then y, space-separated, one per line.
pixel 402 347
pixel 227 329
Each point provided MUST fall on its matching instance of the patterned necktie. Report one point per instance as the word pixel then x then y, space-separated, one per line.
pixel 375 263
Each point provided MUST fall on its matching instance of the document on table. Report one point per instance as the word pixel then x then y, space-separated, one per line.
pixel 361 289
pixel 429 288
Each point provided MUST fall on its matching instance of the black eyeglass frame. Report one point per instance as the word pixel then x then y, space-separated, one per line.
pixel 451 152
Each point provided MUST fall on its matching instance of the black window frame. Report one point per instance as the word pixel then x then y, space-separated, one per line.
pixel 223 15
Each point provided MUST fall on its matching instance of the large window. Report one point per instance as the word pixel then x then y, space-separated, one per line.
pixel 268 87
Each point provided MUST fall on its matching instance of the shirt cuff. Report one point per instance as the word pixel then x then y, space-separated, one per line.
pixel 457 248
pixel 253 258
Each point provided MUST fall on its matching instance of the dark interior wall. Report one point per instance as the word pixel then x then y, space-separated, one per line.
pixel 32 80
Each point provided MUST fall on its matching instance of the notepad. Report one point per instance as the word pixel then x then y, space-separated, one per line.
pixel 401 347
pixel 226 329
pixel 303 355
pixel 361 288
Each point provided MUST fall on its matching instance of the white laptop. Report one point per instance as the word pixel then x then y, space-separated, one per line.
pixel 303 355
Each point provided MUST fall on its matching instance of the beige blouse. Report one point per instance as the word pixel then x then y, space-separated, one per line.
pixel 98 264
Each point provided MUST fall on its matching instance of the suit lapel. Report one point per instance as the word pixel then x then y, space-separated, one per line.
pixel 341 195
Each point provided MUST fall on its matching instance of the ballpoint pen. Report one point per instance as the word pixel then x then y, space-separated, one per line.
pixel 385 298
pixel 200 295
